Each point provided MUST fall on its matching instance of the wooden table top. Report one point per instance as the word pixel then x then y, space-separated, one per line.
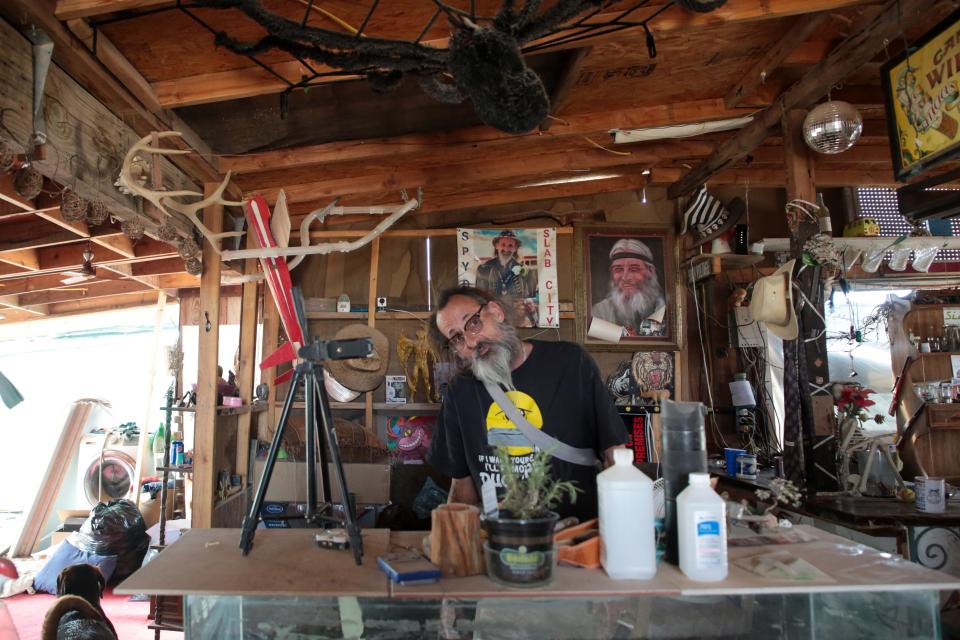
pixel 281 562
pixel 287 562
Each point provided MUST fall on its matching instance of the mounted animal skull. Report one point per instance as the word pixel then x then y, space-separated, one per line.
pixel 164 200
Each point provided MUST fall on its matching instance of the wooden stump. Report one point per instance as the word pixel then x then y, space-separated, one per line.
pixel 455 544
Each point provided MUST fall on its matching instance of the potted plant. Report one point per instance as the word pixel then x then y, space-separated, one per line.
pixel 519 551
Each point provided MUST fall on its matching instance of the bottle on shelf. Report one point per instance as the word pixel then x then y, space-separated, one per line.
pixel 176 449
pixel 627 544
pixel 702 531
pixel 158 446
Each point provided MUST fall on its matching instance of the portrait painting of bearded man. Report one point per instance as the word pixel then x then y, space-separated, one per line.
pixel 628 282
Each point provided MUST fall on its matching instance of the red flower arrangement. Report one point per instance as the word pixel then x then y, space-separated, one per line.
pixel 853 400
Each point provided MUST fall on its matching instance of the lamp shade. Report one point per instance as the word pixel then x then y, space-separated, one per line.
pixel 832 127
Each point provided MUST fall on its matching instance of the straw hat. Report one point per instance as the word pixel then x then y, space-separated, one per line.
pixel 772 302
pixel 362 374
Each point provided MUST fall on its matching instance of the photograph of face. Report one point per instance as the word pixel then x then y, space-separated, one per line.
pixel 627 281
pixel 506 266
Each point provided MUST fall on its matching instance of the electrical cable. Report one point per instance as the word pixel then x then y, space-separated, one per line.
pixel 706 369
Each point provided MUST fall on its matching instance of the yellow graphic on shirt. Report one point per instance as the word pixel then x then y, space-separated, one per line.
pixel 502 432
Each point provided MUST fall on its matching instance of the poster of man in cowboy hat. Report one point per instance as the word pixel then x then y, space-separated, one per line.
pixel 517 265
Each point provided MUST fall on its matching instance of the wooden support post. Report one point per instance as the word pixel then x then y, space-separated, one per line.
pixel 248 353
pixel 372 322
pixel 798 425
pixel 205 434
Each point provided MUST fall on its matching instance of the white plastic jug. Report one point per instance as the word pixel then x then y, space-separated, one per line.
pixel 702 530
pixel 627 546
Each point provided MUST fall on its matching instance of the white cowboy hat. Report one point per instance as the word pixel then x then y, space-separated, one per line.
pixel 772 302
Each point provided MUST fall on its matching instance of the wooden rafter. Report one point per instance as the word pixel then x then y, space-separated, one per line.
pixel 571 69
pixel 843 60
pixel 475 141
pixel 773 57
pixel 253 80
pixel 526 168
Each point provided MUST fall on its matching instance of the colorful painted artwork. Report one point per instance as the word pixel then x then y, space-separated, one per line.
pixel 408 437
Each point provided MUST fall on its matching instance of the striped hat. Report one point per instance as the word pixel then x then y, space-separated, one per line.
pixel 707 218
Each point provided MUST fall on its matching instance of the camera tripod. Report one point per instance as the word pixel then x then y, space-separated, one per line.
pixel 309 373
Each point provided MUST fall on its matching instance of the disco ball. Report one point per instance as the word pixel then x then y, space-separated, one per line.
pixel 832 127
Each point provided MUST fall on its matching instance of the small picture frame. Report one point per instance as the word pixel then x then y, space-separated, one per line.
pixel 396 389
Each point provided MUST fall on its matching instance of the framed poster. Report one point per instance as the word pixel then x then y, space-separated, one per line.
pixel 627 278
pixel 921 93
pixel 518 265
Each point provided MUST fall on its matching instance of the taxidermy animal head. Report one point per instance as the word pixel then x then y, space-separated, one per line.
pixel 484 57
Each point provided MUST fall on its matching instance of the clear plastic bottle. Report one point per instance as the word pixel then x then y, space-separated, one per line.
pixel 627 545
pixel 702 531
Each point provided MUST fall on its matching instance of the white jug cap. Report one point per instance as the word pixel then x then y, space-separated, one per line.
pixel 623 456
pixel 700 479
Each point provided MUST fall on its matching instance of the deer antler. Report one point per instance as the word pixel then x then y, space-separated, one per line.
pixel 163 200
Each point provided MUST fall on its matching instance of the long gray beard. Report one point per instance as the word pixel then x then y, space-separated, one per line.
pixel 495 366
pixel 631 309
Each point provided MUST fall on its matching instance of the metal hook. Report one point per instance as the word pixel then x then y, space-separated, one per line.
pixel 207 327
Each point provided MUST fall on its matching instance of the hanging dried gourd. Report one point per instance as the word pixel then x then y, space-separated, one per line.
pixel 188 248
pixel 97 212
pixel 73 206
pixel 168 233
pixel 133 228
pixel 28 182
pixel 193 266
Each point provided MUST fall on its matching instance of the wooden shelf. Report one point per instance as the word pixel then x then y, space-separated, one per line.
pixel 187 468
pixel 939 353
pixel 223 410
pixel 400 315
pixel 726 259
pixel 377 406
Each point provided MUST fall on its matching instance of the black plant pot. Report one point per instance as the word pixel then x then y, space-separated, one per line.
pixel 520 553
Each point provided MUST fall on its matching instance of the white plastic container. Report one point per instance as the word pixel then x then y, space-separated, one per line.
pixel 702 531
pixel 627 546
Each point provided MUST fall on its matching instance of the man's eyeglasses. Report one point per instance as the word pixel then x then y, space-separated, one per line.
pixel 473 326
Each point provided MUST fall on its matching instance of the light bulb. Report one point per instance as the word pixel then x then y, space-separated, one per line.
pixel 643 199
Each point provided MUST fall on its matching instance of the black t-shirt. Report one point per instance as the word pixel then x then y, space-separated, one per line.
pixel 558 388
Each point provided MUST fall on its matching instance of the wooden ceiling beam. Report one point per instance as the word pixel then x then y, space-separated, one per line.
pixel 53 214
pixel 532 168
pixel 32 284
pixel 107 53
pixel 254 80
pixel 764 67
pixel 571 71
pixel 26 258
pixel 71 9
pixel 117 243
pixel 471 142
pixel 82 291
pixel 841 62
pixel 13 302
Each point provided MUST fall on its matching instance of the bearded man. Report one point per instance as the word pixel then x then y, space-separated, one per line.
pixel 503 274
pixel 555 386
pixel 635 300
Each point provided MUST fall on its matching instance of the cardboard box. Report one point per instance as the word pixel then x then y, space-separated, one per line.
pixel 369 483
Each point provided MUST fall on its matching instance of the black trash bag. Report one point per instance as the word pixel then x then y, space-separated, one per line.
pixel 115 528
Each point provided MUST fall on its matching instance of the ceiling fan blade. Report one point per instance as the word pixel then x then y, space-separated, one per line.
pixel 76 279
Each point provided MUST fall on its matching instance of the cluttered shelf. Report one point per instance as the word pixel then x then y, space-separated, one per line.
pixel 389 315
pixel 222 410
pixel 378 406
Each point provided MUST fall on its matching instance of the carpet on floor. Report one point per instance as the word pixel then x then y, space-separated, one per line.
pixel 128 618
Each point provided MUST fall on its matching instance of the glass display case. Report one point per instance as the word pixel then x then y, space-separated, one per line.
pixel 909 615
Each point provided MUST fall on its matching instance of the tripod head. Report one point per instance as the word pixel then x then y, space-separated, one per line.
pixel 319 350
